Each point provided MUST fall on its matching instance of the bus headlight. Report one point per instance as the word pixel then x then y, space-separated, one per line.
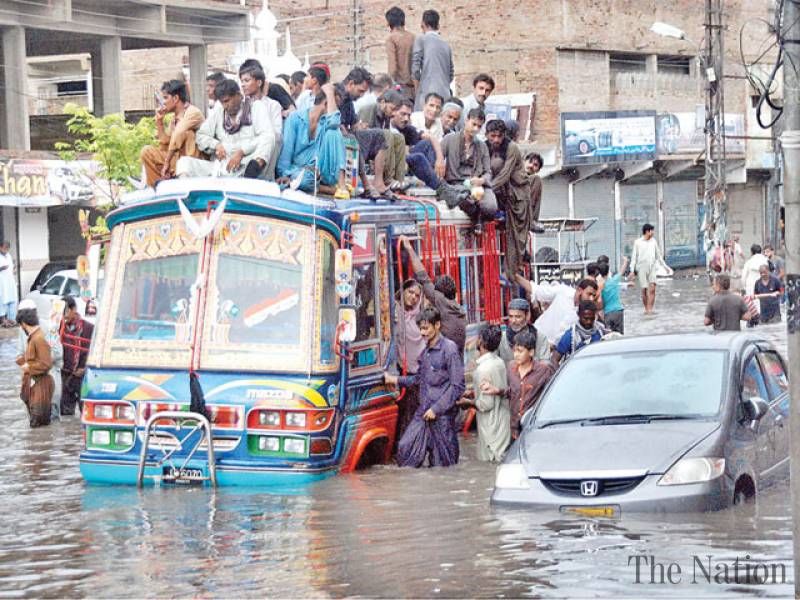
pixel 269 418
pixel 123 438
pixel 295 419
pixel 269 444
pixel 101 437
pixel 294 446
pixel 103 411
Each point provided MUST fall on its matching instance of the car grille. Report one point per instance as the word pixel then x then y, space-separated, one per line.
pixel 606 487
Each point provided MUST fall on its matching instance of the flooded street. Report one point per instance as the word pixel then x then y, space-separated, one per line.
pixel 380 532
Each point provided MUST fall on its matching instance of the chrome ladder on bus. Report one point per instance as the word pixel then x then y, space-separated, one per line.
pixel 179 474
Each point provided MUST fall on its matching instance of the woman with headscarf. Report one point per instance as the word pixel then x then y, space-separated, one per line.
pixel 37 384
pixel 512 187
pixel 410 344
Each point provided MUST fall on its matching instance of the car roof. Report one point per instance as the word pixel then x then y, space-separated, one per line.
pixel 731 341
pixel 65 273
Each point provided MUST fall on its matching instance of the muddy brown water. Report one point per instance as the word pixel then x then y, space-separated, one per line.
pixel 385 532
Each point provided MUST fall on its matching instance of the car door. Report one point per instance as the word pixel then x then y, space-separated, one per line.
pixel 753 385
pixel 778 389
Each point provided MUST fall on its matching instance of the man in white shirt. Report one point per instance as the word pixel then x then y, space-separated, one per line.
pixel 8 287
pixel 482 88
pixel 751 269
pixel 644 264
pixel 427 120
pixel 239 135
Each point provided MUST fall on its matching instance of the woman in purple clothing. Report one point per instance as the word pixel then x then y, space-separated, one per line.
pixel 432 432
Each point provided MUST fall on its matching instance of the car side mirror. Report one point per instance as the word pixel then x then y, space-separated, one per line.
pixel 527 417
pixel 754 409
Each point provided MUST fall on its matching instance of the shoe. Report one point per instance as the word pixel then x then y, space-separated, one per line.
pixel 341 194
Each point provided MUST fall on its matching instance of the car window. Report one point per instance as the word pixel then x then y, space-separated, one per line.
pixel 753 385
pixel 53 286
pixel 73 289
pixel 777 382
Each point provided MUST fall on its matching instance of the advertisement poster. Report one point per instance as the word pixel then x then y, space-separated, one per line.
pixel 598 137
pixel 31 182
pixel 682 133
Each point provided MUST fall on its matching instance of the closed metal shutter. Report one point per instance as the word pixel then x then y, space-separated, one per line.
pixel 638 208
pixel 594 197
pixel 680 224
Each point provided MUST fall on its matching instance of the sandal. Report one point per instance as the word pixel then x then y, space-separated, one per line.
pixel 341 194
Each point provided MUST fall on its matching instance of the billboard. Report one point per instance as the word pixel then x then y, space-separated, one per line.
pixel 589 138
pixel 32 182
pixel 682 133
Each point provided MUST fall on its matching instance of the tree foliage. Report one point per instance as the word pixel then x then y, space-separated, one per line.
pixel 113 143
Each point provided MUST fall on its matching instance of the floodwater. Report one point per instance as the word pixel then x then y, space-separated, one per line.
pixel 380 532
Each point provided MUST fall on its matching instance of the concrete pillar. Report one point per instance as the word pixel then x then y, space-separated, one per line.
pixel 107 76
pixel 15 128
pixel 198 68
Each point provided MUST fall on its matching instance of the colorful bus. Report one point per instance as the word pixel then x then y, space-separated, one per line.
pixel 226 294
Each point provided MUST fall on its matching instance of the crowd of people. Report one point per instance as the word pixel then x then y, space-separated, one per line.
pixel 513 365
pixel 752 290
pixel 407 125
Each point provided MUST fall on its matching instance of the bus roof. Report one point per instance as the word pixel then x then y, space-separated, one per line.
pixel 265 198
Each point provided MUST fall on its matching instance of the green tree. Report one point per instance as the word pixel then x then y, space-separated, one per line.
pixel 113 143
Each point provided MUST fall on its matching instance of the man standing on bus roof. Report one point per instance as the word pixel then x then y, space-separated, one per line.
pixel 442 294
pixel 432 432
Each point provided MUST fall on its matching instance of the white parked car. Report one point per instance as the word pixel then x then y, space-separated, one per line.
pixel 69 185
pixel 61 283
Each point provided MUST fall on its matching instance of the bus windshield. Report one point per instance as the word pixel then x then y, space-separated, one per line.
pixel 257 311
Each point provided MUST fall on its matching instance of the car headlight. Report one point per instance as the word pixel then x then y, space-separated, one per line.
pixel 511 476
pixel 273 419
pixel 101 437
pixel 693 470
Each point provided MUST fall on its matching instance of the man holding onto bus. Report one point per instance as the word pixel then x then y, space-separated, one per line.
pixel 432 432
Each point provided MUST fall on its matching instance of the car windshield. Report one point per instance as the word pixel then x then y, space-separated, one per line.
pixel 679 383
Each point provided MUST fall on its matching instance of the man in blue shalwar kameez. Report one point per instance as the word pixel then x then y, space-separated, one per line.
pixel 314 145
pixel 432 432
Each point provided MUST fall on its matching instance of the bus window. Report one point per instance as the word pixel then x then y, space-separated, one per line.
pixel 364 286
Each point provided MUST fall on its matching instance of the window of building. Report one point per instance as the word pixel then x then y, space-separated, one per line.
pixel 627 63
pixel 674 65
pixel 72 88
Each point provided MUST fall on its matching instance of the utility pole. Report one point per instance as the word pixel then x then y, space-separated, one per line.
pixel 790 140
pixel 715 198
pixel 358 28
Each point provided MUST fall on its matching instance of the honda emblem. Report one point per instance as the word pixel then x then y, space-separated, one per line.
pixel 589 488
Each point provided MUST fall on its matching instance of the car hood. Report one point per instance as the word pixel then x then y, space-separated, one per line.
pixel 566 451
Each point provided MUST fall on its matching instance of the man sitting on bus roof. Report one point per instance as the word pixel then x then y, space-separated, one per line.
pixel 177 139
pixel 313 154
pixel 239 137
pixel 467 162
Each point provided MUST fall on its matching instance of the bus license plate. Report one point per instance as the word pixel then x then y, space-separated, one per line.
pixel 183 476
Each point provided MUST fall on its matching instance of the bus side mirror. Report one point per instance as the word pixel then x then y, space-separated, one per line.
pixel 347 328
pixel 343 273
